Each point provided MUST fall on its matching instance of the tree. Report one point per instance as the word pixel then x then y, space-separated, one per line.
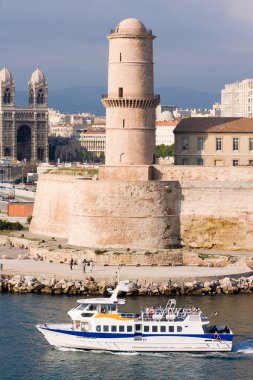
pixel 164 150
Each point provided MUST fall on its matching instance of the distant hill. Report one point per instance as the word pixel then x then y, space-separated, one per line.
pixel 88 99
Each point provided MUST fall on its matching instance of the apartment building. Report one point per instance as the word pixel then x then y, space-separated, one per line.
pixel 237 99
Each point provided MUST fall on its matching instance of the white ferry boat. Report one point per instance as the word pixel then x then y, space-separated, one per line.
pixel 97 324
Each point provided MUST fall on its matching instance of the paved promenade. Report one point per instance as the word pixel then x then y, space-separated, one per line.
pixel 100 272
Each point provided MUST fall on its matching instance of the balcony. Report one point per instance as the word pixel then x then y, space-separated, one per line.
pixel 130 102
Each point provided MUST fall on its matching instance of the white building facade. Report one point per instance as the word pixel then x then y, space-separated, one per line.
pixel 237 99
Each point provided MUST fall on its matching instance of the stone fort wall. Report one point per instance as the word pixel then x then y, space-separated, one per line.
pixel 195 207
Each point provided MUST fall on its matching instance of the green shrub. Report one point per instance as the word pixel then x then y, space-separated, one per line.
pixel 29 219
pixel 100 251
pixel 10 226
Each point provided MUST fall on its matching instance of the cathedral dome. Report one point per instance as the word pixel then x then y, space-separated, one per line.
pixel 131 26
pixel 167 115
pixel 38 77
pixel 5 75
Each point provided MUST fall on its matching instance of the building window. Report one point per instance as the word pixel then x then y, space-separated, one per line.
pixel 200 161
pixel 123 123
pixel 120 92
pixel 120 57
pixel 7 96
pixel 218 143
pixel 7 152
pixel 185 143
pixel 235 163
pixel 185 161
pixel 31 97
pixel 200 143
pixel 235 143
pixel 251 144
pixel 40 97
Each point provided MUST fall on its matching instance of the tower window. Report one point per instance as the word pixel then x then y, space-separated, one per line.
pixel 7 96
pixel 120 57
pixel 31 97
pixel 40 97
pixel 123 123
pixel 120 92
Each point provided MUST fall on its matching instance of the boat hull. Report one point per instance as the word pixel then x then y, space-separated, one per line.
pixel 64 336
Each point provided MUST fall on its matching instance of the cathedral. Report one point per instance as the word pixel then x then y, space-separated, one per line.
pixel 24 130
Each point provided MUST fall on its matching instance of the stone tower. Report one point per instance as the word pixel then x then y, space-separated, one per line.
pixel 7 89
pixel 130 102
pixel 38 90
pixel 126 207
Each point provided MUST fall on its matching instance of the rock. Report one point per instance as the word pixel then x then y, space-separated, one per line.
pixel 46 290
pixel 206 289
pixel 5 257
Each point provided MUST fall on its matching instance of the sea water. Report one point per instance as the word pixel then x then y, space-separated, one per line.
pixel 25 354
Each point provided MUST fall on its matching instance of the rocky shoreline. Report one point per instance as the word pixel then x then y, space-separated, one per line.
pixel 30 284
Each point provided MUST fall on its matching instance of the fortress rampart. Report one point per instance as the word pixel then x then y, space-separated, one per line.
pixel 203 213
pixel 136 204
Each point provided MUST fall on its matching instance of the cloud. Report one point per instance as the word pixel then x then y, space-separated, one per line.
pixel 205 43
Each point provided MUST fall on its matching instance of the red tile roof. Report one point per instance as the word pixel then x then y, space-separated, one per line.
pixel 215 125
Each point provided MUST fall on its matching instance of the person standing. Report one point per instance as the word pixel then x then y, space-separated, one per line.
pixel 84 265
pixel 71 263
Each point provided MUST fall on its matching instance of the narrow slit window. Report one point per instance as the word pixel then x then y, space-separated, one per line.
pixel 120 57
pixel 120 92
pixel 123 123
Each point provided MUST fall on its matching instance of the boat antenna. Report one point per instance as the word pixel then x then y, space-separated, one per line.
pixel 118 274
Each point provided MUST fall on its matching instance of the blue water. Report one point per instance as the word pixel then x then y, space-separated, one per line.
pixel 24 354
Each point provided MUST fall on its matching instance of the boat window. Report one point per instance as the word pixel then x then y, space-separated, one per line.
pixel 129 328
pixel 121 328
pixel 98 328
pixel 113 328
pixel 87 315
pixel 154 328
pixel 106 328
pixel 146 328
pixel 113 307
pixel 163 328
pixel 179 329
pixel 138 327
pixel 80 307
pixel 91 307
pixel 171 328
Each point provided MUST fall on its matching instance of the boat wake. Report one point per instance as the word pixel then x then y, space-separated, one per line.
pixel 245 347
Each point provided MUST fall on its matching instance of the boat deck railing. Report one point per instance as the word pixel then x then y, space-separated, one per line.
pixel 160 314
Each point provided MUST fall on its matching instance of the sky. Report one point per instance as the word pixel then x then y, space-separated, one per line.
pixel 200 44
